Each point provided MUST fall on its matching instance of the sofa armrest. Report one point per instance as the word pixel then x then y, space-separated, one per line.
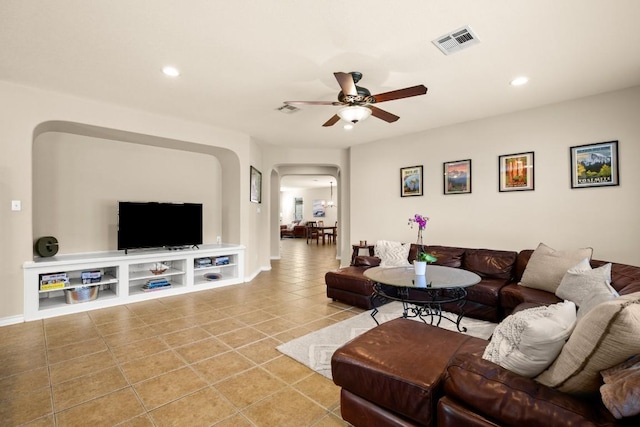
pixel 366 261
pixel 508 398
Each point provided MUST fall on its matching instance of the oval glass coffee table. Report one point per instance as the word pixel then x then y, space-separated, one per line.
pixel 422 296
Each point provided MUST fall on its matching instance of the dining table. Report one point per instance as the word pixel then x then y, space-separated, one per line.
pixel 322 228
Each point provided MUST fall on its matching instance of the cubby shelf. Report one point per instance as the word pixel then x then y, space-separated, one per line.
pixel 124 275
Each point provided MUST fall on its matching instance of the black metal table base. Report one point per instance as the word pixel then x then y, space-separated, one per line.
pixel 427 309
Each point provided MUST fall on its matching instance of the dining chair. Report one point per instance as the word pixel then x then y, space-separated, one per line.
pixel 312 232
pixel 321 231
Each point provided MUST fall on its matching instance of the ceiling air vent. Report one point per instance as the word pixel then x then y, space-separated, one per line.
pixel 456 40
pixel 287 109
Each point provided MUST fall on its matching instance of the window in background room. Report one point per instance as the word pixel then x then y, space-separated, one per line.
pixel 297 211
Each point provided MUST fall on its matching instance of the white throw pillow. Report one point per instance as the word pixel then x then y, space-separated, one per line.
pixel 547 267
pixel 581 281
pixel 392 254
pixel 528 341
pixel 608 335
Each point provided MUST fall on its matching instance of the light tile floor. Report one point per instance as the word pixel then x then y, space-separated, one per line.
pixel 202 359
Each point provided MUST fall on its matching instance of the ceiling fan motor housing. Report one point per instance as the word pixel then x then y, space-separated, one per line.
pixel 363 96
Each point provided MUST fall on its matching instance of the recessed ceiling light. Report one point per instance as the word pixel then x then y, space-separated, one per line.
pixel 171 71
pixel 348 126
pixel 519 81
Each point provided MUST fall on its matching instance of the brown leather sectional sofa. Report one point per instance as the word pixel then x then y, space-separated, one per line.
pixel 294 231
pixel 407 373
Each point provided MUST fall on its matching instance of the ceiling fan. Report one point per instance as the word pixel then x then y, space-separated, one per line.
pixel 358 101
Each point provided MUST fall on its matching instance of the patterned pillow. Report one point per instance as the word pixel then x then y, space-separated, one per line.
pixel 528 341
pixel 606 336
pixel 581 281
pixel 547 267
pixel 392 254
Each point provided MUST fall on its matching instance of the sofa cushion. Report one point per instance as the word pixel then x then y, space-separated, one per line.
pixel 380 366
pixel 490 263
pixel 448 256
pixel 528 341
pixel 513 295
pixel 511 399
pixel 581 280
pixel 547 266
pixel 621 389
pixel 392 254
pixel 606 336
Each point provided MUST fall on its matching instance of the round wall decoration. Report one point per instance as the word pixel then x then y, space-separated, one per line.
pixel 46 246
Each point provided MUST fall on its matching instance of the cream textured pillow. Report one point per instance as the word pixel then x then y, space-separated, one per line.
pixel 593 300
pixel 528 341
pixel 547 267
pixel 392 254
pixel 606 336
pixel 581 281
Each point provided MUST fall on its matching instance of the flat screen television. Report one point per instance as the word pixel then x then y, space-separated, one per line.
pixel 156 225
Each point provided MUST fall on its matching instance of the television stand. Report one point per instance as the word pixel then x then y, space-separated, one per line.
pixel 124 279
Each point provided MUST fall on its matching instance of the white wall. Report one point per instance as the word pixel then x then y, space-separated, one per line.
pixel 78 181
pixel 308 195
pixel 603 218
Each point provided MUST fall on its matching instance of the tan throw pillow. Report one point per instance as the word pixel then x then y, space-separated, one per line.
pixel 528 341
pixel 581 281
pixel 606 336
pixel 547 267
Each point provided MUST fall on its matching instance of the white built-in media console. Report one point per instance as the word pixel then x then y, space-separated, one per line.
pixel 74 283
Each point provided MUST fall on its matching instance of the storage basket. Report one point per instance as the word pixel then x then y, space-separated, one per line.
pixel 82 294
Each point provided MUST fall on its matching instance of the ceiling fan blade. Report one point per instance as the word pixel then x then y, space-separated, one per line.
pixel 400 93
pixel 313 103
pixel 345 80
pixel 332 121
pixel 382 115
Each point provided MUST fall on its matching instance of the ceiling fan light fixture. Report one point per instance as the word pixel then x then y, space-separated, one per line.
pixel 354 113
pixel 348 126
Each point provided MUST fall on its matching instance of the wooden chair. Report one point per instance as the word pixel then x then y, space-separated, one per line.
pixel 333 234
pixel 321 231
pixel 312 232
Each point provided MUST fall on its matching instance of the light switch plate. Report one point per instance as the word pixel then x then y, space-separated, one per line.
pixel 16 205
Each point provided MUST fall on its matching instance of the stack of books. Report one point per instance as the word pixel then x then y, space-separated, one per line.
pixel 49 282
pixel 202 262
pixel 88 277
pixel 222 260
pixel 156 284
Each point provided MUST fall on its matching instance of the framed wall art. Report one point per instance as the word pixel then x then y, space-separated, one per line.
pixel 516 172
pixel 457 177
pixel 411 181
pixel 255 191
pixel 594 165
pixel 319 208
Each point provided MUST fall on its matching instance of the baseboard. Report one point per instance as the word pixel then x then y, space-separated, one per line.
pixel 12 320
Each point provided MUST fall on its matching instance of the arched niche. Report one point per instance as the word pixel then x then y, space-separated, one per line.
pixel 224 161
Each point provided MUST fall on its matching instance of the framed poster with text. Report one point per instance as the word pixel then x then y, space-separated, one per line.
pixel 594 165
pixel 457 177
pixel 411 181
pixel 516 172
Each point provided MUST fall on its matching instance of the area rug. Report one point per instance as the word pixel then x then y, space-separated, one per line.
pixel 314 350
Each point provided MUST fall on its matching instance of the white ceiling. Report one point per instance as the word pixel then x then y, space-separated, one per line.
pixel 241 59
